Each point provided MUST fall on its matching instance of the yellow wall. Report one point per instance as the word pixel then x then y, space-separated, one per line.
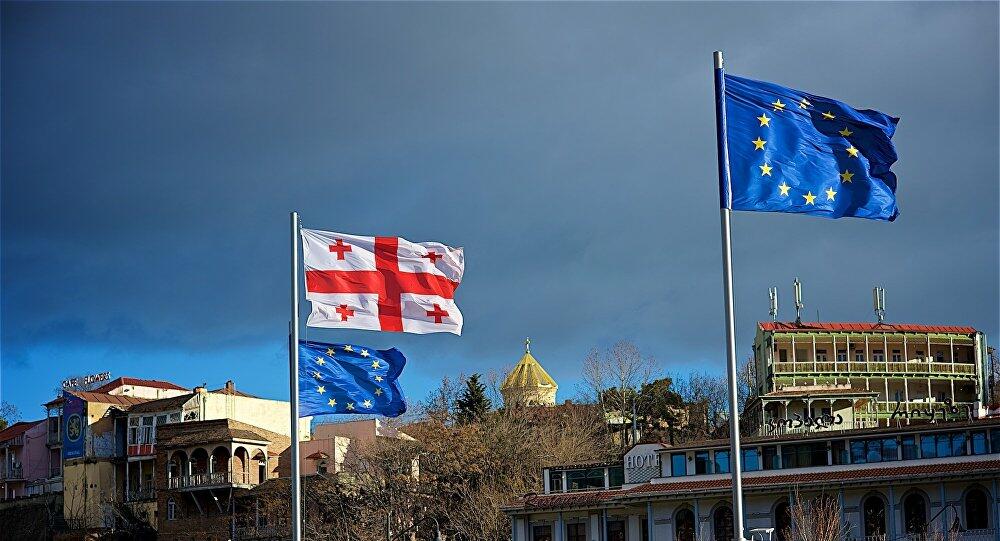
pixel 87 489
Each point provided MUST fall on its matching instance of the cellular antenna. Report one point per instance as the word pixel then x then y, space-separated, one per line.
pixel 772 294
pixel 799 305
pixel 878 302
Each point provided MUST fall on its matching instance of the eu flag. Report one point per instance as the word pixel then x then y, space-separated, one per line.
pixel 349 379
pixel 790 151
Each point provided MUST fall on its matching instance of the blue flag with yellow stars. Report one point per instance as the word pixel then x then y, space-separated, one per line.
pixel 790 151
pixel 349 379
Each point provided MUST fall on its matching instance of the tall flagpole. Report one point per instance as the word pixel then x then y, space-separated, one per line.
pixel 725 196
pixel 293 384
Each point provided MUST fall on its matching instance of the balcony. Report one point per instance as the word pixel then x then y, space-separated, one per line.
pixel 54 436
pixel 16 441
pixel 55 471
pixel 209 480
pixel 13 472
pixel 144 491
pixel 915 367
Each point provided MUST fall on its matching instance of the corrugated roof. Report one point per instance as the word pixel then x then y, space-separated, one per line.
pixel 162 404
pixel 125 380
pixel 126 402
pixel 791 326
pixel 17 429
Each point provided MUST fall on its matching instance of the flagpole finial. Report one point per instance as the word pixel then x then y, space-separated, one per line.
pixel 527 345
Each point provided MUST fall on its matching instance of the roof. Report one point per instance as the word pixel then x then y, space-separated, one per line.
pixel 162 404
pixel 791 326
pixel 124 401
pixel 214 430
pixel 318 455
pixel 528 373
pixel 780 478
pixel 125 380
pixel 17 429
pixel 234 392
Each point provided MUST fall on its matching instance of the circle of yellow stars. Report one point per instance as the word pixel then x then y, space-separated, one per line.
pixel 350 406
pixel 766 168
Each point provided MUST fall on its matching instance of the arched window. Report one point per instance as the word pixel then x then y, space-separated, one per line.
pixel 783 522
pixel 874 516
pixel 171 509
pixel 915 514
pixel 722 523
pixel 684 525
pixel 976 510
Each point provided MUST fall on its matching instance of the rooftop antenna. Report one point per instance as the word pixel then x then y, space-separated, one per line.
pixel 878 301
pixel 772 294
pixel 799 305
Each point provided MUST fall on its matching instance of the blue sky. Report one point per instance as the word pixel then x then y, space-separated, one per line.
pixel 151 154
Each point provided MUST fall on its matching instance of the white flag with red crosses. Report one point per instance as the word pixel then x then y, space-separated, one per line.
pixel 381 283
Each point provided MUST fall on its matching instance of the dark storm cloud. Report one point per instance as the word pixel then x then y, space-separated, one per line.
pixel 151 153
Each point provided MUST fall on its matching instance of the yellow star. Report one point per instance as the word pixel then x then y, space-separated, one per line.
pixel 784 188
pixel 378 378
pixel 350 405
pixel 810 198
pixel 764 119
pixel 804 103
pixel 332 402
pixel 830 194
pixel 367 404
pixel 759 143
pixel 320 361
pixel 778 106
pixel 330 352
pixel 765 170
pixel 364 353
pixel 348 348
pixel 845 132
pixel 847 176
pixel 828 115
pixel 316 374
pixel 321 389
pixel 378 391
pixel 375 364
pixel 852 152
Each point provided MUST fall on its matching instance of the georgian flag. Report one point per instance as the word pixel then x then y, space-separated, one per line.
pixel 381 283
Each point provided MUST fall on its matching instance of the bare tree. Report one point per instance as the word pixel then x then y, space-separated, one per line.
pixel 613 378
pixel 816 519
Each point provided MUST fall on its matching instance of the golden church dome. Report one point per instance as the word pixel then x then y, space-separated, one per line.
pixel 528 384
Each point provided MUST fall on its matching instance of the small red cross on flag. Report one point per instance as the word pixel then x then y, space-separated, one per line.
pixel 381 283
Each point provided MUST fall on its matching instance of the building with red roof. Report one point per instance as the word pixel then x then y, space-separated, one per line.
pixel 142 388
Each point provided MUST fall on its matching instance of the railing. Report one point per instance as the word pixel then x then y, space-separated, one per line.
pixel 16 441
pixel 12 472
pixel 145 491
pixel 198 480
pixel 43 487
pixel 889 407
pixel 915 366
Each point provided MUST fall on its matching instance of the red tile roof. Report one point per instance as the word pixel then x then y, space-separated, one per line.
pixel 17 429
pixel 157 384
pixel 791 326
pixel 318 455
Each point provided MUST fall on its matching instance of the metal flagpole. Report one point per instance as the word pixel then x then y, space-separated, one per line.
pixel 725 196
pixel 293 384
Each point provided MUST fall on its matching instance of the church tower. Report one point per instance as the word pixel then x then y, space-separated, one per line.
pixel 528 384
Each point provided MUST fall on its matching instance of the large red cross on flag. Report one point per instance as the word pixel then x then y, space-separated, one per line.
pixel 381 283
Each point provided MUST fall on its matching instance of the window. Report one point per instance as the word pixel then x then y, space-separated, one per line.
pixel 541 533
pixel 890 450
pixel 976 510
pixel 897 356
pixel 175 417
pixel 958 447
pixel 803 455
pixel 821 355
pixel 589 479
pixel 678 465
pixel 878 356
pixel 874 517
pixel 171 509
pixel 841 355
pixel 859 356
pixel 841 455
pixel 771 458
pixel 801 356
pixel 616 531
pixel 915 514
pixel 751 459
pixel 702 463
pixel 133 430
pixel 555 481
pixel 873 451
pixel 995 440
pixel 616 476
pixel 939 357
pixel 161 419
pixel 858 455
pixel 684 525
pixel 910 451
pixel 722 462
pixel 928 447
pixel 782 355
pixel 576 531
pixel 722 523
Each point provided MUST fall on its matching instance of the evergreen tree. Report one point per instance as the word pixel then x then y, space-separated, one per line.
pixel 473 404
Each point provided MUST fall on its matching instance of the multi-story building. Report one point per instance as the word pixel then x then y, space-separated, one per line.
pixel 832 376
pixel 25 461
pixel 897 482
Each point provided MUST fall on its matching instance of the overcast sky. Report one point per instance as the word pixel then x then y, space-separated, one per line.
pixel 151 154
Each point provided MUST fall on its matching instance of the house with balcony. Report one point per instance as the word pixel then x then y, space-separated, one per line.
pixel 836 376
pixel 25 461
